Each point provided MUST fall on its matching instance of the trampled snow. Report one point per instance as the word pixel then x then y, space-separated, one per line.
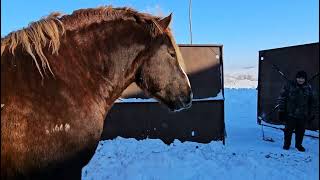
pixel 244 156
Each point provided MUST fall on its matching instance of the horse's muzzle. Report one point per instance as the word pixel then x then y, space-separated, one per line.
pixel 184 103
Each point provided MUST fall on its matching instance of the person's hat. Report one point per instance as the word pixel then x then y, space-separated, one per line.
pixel 301 74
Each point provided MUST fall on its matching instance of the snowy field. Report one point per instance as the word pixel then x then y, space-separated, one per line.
pixel 245 155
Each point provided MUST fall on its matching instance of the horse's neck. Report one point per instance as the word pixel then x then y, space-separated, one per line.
pixel 112 52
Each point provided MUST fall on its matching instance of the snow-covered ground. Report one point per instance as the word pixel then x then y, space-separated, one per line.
pixel 245 155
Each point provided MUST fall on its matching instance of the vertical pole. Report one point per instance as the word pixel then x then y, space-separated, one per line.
pixel 190 21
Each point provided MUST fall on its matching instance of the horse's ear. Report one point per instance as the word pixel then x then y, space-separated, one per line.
pixel 164 23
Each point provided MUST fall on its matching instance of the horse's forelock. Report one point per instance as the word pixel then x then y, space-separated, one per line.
pixel 177 50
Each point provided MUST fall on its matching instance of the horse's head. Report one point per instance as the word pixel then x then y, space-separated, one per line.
pixel 161 74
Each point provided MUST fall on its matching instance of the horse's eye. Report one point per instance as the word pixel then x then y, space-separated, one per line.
pixel 172 54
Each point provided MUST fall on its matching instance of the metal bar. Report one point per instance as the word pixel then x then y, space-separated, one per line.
pixel 259 88
pixel 222 87
pixel 293 131
pixel 313 77
pixel 279 71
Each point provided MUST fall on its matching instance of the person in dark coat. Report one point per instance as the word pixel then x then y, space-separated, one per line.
pixel 295 109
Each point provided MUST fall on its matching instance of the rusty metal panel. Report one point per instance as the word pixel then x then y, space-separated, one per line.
pixel 202 123
pixel 289 60
pixel 203 63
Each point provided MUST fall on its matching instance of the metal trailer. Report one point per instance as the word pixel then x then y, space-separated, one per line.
pixel 278 65
pixel 146 118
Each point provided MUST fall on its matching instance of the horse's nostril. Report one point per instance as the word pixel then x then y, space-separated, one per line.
pixel 188 99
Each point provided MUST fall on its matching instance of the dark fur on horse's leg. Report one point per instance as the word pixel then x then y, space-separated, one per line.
pixel 61 172
pixel 72 173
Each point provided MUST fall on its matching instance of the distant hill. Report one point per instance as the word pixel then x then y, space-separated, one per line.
pixel 246 77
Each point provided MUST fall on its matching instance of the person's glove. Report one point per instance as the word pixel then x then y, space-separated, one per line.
pixel 282 116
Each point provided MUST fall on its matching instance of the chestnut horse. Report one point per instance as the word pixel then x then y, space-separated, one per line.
pixel 61 75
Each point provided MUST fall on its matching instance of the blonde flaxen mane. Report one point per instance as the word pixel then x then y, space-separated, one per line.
pixel 35 37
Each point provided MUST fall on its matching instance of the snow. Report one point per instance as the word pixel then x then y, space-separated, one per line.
pixel 244 156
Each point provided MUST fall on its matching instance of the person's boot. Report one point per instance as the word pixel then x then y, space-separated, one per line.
pixel 299 138
pixel 286 147
pixel 301 148
pixel 287 138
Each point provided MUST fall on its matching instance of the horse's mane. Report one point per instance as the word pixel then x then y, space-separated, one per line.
pixel 35 37
pixel 84 17
pixel 47 31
